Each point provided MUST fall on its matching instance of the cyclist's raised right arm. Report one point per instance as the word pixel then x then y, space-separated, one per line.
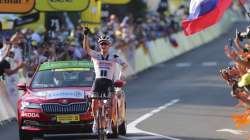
pixel 86 46
pixel 86 41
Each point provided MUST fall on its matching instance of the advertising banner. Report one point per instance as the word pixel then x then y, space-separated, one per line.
pixel 92 16
pixel 62 5
pixel 115 1
pixel 16 6
pixel 32 21
pixel 26 19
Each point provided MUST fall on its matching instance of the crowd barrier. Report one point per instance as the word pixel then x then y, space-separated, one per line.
pixel 146 56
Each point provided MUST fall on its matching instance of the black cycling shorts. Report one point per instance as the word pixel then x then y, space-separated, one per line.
pixel 102 86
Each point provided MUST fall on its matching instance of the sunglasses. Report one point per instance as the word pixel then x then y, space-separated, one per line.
pixel 104 44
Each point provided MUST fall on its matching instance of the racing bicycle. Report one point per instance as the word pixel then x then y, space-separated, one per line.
pixel 104 104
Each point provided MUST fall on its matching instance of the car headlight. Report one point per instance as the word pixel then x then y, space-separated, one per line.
pixel 28 105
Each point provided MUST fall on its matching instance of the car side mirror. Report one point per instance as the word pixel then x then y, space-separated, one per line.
pixel 119 83
pixel 21 86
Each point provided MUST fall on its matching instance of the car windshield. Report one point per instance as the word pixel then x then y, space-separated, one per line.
pixel 63 78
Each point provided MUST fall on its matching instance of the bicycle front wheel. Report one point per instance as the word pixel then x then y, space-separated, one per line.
pixel 102 135
pixel 101 130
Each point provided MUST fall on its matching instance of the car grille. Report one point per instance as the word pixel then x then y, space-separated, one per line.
pixel 73 108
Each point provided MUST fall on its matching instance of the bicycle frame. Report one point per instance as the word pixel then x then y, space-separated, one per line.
pixel 101 116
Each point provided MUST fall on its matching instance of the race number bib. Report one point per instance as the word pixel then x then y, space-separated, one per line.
pixel 104 73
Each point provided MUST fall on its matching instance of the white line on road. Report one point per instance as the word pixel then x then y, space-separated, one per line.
pixel 233 131
pixel 141 138
pixel 209 64
pixel 183 64
pixel 132 126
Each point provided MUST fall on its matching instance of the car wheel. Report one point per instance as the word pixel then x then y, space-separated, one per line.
pixel 24 135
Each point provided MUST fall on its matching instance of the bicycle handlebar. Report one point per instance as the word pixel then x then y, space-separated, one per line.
pixel 100 98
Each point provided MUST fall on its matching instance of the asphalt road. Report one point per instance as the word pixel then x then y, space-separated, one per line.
pixel 182 99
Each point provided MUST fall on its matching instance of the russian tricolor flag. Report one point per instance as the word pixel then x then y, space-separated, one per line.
pixel 204 13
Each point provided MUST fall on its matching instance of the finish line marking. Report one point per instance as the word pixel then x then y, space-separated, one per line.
pixel 132 126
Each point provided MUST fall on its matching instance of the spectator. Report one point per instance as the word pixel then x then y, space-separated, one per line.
pixel 65 44
pixel 5 69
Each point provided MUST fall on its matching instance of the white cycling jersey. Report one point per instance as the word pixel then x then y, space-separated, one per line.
pixel 105 67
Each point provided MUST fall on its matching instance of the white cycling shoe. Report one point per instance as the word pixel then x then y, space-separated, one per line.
pixel 109 129
pixel 94 128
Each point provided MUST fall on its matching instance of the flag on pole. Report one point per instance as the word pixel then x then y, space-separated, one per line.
pixel 204 13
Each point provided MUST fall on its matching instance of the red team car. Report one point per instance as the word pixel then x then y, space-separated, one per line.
pixel 56 102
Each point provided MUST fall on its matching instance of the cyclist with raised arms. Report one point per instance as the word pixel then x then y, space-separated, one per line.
pixel 104 66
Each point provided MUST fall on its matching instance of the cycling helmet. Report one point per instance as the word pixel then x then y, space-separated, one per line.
pixel 104 38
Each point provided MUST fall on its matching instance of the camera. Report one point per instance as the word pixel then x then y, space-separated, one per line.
pixel 243 35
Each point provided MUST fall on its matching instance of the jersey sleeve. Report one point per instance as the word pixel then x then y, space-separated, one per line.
pixel 94 54
pixel 118 60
